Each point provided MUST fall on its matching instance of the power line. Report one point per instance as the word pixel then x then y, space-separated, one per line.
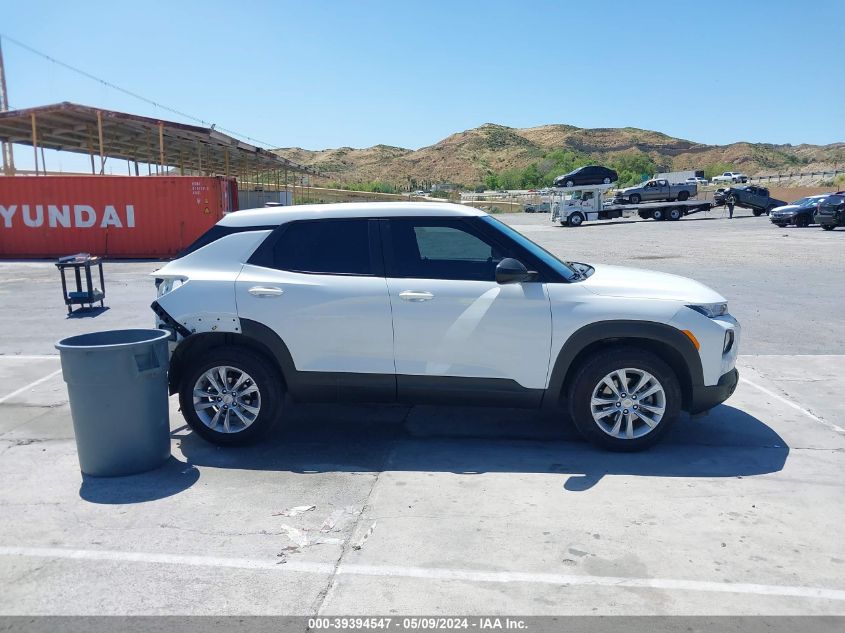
pixel 135 95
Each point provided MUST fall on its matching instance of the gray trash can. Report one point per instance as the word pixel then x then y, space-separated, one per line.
pixel 117 386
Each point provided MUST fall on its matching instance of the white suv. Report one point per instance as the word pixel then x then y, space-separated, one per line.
pixel 423 302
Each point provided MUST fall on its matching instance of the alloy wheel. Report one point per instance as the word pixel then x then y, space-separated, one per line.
pixel 226 399
pixel 628 403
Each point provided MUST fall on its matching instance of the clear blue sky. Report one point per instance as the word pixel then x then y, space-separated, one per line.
pixel 324 74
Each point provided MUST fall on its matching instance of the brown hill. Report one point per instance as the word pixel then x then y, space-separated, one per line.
pixel 466 157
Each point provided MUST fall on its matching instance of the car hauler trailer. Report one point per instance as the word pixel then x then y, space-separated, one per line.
pixel 576 205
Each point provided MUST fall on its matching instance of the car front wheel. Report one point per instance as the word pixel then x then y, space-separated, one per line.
pixel 576 219
pixel 231 396
pixel 624 399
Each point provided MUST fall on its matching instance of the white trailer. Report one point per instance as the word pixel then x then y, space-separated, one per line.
pixel 575 205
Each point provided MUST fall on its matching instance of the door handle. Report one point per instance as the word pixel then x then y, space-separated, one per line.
pixel 265 291
pixel 416 295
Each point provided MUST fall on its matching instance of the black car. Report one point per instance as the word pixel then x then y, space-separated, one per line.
pixel 587 175
pixel 831 212
pixel 799 213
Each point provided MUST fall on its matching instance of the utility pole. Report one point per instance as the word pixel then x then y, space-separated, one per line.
pixel 5 148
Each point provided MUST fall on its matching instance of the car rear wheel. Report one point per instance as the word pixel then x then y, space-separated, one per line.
pixel 683 195
pixel 827 227
pixel 231 396
pixel 635 198
pixel 624 399
pixel 757 212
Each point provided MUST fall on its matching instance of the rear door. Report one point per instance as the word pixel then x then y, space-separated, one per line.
pixel 319 284
pixel 455 329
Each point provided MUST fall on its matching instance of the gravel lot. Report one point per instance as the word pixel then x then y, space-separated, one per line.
pixel 421 510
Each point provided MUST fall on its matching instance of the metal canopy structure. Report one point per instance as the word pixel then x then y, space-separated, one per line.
pixel 104 134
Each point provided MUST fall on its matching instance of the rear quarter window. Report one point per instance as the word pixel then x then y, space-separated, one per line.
pixel 217 232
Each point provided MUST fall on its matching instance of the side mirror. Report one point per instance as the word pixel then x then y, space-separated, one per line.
pixel 512 271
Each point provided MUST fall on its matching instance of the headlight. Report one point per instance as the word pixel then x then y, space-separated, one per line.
pixel 710 310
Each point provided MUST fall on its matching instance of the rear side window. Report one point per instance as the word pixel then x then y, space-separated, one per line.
pixel 332 247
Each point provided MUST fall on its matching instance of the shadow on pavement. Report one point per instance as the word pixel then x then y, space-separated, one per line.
pixel 87 313
pixel 461 440
pixel 323 438
pixel 170 479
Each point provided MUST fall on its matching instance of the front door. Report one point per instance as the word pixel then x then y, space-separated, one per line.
pixel 455 329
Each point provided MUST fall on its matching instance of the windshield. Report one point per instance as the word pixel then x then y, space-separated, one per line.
pixel 807 202
pixel 567 271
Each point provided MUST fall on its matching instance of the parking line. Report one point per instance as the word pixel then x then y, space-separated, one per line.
pixel 794 405
pixel 466 575
pixel 29 386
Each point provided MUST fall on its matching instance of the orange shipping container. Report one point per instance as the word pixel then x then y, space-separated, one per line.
pixel 111 216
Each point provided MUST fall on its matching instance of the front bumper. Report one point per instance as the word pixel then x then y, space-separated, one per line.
pixel 704 398
pixel 788 219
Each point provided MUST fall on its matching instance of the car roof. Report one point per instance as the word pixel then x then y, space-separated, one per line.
pixel 273 216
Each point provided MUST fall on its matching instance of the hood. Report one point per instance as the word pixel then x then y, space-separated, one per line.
pixel 786 209
pixel 619 281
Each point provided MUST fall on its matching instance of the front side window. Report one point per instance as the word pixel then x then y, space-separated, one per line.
pixel 431 248
pixel 330 247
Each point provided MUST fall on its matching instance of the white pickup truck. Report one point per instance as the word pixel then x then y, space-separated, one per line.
pixel 730 176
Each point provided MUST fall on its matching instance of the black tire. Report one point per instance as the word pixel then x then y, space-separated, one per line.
pixel 675 214
pixel 569 183
pixel 606 181
pixel 658 214
pixel 635 198
pixel 827 227
pixel 262 372
pixel 683 195
pixel 591 372
pixel 757 212
pixel 575 220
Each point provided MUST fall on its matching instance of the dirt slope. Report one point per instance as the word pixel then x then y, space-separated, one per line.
pixel 467 156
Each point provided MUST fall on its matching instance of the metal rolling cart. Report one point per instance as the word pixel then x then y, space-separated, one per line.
pixel 92 294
